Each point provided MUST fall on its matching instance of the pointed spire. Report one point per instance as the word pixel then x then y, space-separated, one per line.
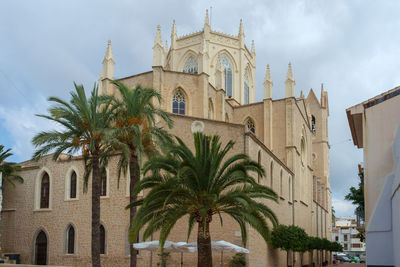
pixel 174 35
pixel 207 20
pixel 324 97
pixel 302 95
pixel 158 39
pixel 290 82
pixel 207 27
pixel 253 48
pixel 108 64
pixel 268 84
pixel 241 32
pixel 109 54
pixel 158 49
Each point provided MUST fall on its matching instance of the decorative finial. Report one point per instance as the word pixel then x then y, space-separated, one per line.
pixel 290 82
pixel 241 32
pixel 158 39
pixel 109 55
pixel 268 84
pixel 253 49
pixel 174 35
pixel 301 94
pixel 107 70
pixel 206 20
pixel 289 75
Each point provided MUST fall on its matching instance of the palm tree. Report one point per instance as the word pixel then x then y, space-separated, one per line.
pixel 201 185
pixel 135 134
pixel 84 122
pixel 8 170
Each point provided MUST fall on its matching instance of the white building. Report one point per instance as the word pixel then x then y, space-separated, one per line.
pixel 375 127
pixel 345 232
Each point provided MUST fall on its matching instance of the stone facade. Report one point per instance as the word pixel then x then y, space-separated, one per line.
pixel 289 137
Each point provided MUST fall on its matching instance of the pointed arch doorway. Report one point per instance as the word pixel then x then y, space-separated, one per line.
pixel 41 249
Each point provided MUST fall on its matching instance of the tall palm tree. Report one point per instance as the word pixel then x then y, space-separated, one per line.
pixel 8 170
pixel 84 123
pixel 202 185
pixel 136 134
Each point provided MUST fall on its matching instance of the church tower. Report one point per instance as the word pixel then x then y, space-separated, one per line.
pixel 225 58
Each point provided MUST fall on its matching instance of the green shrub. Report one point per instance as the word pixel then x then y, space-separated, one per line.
pixel 238 260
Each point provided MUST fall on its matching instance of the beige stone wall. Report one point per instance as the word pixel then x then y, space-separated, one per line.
pixel 22 221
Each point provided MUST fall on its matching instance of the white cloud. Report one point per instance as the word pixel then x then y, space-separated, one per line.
pixel 343 208
pixel 22 124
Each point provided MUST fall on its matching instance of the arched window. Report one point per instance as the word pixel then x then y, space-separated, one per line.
pixel 72 188
pixel 271 169
pixel 210 109
pixel 102 240
pixel 103 185
pixel 313 125
pixel 226 65
pixel 41 248
pixel 45 191
pixel 250 125
pixel 70 240
pixel 178 103
pixel 246 88
pixel 281 183
pixel 190 65
pixel 259 162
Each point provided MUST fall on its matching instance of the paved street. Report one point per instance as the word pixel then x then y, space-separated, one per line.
pixel 350 264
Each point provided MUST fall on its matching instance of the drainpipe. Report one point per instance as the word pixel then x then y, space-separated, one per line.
pixel 293 220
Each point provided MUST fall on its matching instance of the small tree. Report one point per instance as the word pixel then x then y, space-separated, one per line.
pixel 326 245
pixel 312 244
pixel 238 260
pixel 300 242
pixel 289 238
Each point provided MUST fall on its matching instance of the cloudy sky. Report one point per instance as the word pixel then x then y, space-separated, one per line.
pixel 350 46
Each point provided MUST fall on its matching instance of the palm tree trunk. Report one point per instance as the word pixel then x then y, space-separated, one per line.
pixel 95 212
pixel 134 173
pixel 204 253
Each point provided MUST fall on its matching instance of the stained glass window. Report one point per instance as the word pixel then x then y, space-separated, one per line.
pixel 191 65
pixel 227 75
pixel 250 126
pixel 178 103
